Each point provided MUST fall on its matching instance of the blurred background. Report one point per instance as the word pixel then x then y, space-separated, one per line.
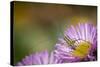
pixel 37 26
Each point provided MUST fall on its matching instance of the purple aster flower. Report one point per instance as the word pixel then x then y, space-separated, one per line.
pixel 78 44
pixel 39 58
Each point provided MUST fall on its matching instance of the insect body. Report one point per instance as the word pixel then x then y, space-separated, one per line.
pixel 80 48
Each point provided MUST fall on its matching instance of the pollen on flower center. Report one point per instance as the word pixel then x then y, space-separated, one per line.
pixel 82 49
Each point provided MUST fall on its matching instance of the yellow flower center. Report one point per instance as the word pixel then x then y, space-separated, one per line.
pixel 81 50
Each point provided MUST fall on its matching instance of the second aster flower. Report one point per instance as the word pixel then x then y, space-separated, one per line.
pixel 39 58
